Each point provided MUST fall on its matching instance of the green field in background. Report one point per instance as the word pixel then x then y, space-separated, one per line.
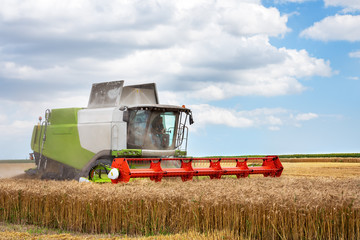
pixel 17 161
pixel 322 155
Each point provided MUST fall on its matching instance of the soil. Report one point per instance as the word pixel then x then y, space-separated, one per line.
pixel 322 169
pixel 9 170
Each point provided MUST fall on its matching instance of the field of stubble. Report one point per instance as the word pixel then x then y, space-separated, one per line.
pixel 309 201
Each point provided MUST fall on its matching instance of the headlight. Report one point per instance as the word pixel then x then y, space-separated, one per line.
pixel 113 174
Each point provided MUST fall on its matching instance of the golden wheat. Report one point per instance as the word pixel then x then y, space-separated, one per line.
pixel 180 236
pixel 274 208
pixel 323 159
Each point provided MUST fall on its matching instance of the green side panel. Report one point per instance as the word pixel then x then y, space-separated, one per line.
pixel 138 153
pixel 64 116
pixel 127 153
pixel 62 139
pixel 34 137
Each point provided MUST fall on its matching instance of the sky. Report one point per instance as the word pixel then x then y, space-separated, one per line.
pixel 262 77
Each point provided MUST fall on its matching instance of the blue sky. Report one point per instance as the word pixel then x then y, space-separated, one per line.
pixel 262 77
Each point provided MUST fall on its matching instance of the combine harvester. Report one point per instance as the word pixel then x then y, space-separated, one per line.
pixel 125 133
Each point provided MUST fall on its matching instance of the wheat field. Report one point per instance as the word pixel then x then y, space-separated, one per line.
pixel 252 208
pixel 309 201
pixel 12 235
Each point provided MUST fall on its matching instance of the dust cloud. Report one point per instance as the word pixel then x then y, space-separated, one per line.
pixel 9 170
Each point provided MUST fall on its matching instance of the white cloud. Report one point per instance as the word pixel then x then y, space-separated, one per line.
pixel 292 1
pixel 30 110
pixel 125 21
pixel 199 77
pixel 306 116
pixel 298 119
pixel 355 54
pixel 206 114
pixel 271 118
pixel 25 72
pixel 206 82
pixel 16 128
pixel 216 50
pixel 251 19
pixel 3 118
pixel 65 16
pixel 338 27
pixel 278 78
pixel 274 128
pixel 349 5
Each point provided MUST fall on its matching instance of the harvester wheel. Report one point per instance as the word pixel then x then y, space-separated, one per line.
pixel 100 169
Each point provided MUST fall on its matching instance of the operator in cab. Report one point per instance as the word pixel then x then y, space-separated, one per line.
pixel 157 131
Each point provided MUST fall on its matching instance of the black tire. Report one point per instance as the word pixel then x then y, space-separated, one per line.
pixel 99 165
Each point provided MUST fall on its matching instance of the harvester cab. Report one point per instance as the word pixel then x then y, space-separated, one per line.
pixel 143 128
pixel 126 133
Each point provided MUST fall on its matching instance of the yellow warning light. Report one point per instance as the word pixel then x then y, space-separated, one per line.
pixel 183 106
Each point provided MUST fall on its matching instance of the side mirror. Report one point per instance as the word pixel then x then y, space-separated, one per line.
pixel 125 111
pixel 126 116
pixel 191 119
